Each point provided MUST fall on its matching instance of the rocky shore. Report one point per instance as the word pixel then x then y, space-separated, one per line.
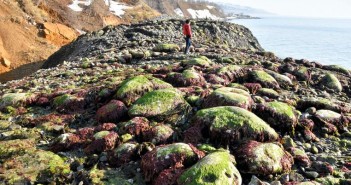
pixel 123 105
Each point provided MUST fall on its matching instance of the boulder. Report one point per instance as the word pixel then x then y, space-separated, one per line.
pixel 167 48
pixel 227 96
pixel 263 158
pixel 266 80
pixel 201 61
pixel 188 77
pixel 215 168
pixel 160 105
pixel 113 112
pixel 270 93
pixel 329 81
pixel 167 156
pixel 278 114
pixel 228 124
pixel 133 88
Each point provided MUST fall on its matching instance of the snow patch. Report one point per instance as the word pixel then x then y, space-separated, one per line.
pixel 210 7
pixel 179 12
pixel 202 14
pixel 75 5
pixel 116 8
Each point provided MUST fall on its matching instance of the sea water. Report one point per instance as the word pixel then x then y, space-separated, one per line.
pixel 327 41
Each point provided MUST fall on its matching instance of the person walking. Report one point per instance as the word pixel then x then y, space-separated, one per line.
pixel 187 33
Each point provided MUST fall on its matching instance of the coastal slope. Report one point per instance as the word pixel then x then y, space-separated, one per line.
pixel 124 105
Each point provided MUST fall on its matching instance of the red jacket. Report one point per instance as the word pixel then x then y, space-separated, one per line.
pixel 187 29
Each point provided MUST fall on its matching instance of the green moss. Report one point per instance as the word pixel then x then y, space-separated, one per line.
pixel 199 61
pixel 282 108
pixel 61 100
pixel 235 117
pixel 175 148
pixel 15 147
pixel 158 102
pixel 101 134
pixel 331 82
pixel 215 168
pixel 262 76
pixel 166 48
pixel 237 96
pixel 13 99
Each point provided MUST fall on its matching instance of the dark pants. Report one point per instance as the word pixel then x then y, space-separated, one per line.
pixel 188 44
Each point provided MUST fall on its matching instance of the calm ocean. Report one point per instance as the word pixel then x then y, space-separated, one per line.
pixel 327 41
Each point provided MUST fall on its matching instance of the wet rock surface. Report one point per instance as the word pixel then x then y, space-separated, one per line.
pixel 128 107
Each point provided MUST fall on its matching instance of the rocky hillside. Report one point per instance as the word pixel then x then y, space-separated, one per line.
pixel 31 30
pixel 127 107
pixel 127 41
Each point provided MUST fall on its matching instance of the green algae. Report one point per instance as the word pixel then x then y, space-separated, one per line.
pixel 268 92
pixel 215 168
pixel 190 74
pixel 262 76
pixel 13 99
pixel 329 180
pixel 331 82
pixel 282 109
pixel 38 165
pixel 101 134
pixel 61 100
pixel 175 148
pixel 132 88
pixel 15 147
pixel 267 156
pixel 157 103
pixel 235 118
pixel 201 61
pixel 166 48
pixel 228 69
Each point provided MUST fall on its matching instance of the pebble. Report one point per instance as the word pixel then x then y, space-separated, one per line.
pixel 314 150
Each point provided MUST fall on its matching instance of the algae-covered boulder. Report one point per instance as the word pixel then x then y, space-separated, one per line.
pixel 300 157
pixel 227 96
pixel 136 127
pixel 230 72
pixel 270 93
pixel 337 68
pixel 159 134
pixel 13 99
pixel 266 80
pixel 229 124
pixel 278 114
pixel 112 112
pixel 302 74
pixel 133 88
pixel 331 82
pixel 102 141
pixel 215 168
pixel 331 117
pixel 188 77
pixel 201 61
pixel 168 156
pixel 68 103
pixel 124 153
pixel 159 104
pixel 318 103
pixel 34 167
pixel 283 80
pixel 166 48
pixel 263 158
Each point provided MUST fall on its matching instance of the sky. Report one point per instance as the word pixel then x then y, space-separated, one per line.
pixel 300 8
